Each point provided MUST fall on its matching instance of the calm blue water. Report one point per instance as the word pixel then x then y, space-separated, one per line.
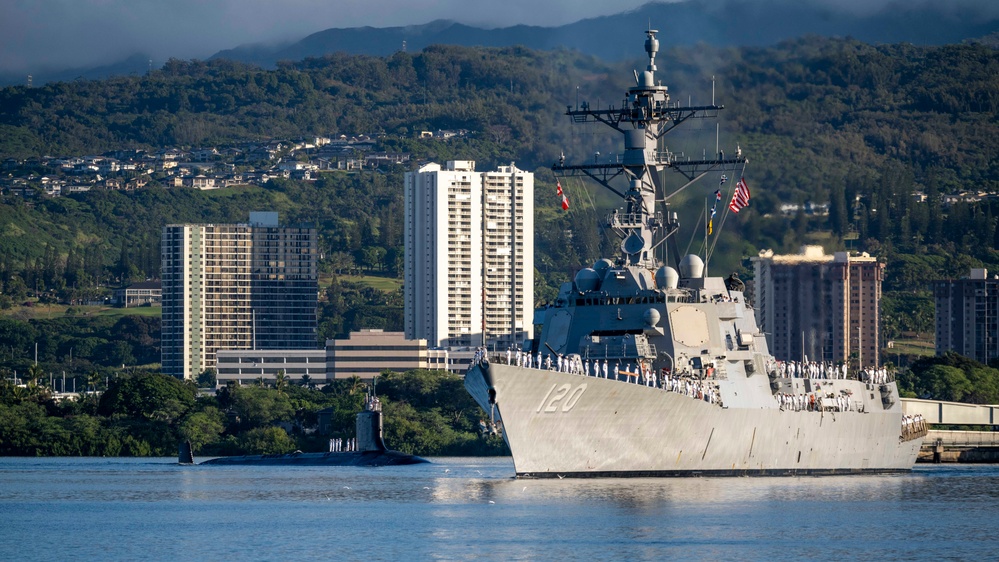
pixel 472 508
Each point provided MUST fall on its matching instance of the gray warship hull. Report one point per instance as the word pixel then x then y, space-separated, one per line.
pixel 602 427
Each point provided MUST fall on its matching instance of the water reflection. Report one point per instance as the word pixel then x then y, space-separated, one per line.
pixel 461 508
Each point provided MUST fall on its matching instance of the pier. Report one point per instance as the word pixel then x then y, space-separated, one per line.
pixel 969 446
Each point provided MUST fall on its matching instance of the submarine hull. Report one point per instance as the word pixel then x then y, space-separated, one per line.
pixel 365 458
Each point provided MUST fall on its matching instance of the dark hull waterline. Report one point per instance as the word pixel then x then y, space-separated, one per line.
pixel 366 458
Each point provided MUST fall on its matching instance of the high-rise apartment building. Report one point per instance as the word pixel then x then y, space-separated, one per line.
pixel 469 266
pixel 967 316
pixel 818 306
pixel 236 286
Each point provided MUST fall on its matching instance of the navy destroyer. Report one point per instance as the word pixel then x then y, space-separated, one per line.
pixel 647 369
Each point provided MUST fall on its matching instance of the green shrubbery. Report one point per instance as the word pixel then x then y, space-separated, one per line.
pixel 951 377
pixel 426 413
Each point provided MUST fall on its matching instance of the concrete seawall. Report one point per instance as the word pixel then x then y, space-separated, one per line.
pixel 960 447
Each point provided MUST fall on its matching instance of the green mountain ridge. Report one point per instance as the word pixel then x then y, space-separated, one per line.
pixel 866 129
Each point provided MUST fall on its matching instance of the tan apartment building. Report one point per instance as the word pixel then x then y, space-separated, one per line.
pixel 236 286
pixel 818 306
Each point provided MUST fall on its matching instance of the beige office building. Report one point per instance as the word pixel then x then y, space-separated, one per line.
pixel 469 262
pixel 246 366
pixel 367 353
pixel 818 306
pixel 236 286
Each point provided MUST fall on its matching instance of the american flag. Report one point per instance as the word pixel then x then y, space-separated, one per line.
pixel 740 198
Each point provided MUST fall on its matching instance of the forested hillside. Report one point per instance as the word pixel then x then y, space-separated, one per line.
pixel 880 134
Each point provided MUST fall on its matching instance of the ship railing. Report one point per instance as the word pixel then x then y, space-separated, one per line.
pixel 704 387
pixel 913 427
pixel 681 295
pixel 824 370
pixel 625 220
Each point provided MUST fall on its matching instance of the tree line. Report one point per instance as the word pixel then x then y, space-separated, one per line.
pixel 145 414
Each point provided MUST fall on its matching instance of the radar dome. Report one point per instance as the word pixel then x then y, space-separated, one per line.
pixel 691 267
pixel 667 278
pixel 651 317
pixel 602 265
pixel 587 279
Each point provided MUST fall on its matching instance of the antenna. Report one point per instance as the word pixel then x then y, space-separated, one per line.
pixel 712 90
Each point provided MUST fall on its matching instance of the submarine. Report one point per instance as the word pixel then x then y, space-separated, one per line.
pixel 371 449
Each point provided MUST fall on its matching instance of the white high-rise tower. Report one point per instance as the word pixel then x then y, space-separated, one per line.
pixel 469 277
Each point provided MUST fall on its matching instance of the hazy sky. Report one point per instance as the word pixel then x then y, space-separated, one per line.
pixel 35 34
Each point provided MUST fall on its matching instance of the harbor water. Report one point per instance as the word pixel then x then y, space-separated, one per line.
pixel 473 508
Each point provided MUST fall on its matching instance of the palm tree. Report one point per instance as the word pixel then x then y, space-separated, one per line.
pixel 307 381
pixel 19 393
pixel 280 381
pixel 356 385
pixel 93 379
pixel 34 373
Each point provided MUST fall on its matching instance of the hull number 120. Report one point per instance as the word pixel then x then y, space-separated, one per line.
pixel 561 397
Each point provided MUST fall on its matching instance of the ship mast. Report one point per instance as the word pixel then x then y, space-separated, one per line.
pixel 645 117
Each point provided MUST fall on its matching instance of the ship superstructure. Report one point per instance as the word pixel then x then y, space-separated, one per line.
pixel 643 368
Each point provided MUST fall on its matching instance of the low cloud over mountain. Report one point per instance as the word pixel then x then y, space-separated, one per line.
pixel 46 37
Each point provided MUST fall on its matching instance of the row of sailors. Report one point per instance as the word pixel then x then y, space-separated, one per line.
pixel 913 424
pixel 695 389
pixel 343 445
pixel 827 370
pixel 812 402
pixel 480 355
pixel 602 369
pixel 577 366
pixel 810 370
pixel 876 376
